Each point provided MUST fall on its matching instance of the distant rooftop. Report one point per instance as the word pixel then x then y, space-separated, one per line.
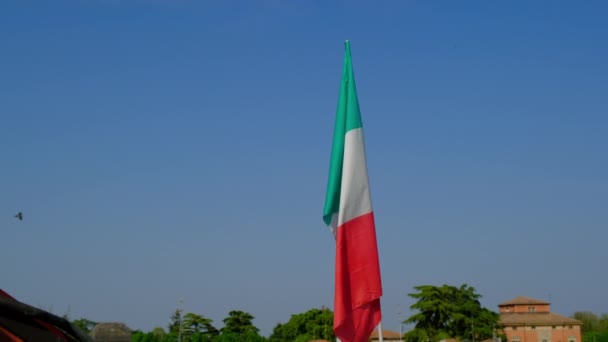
pixel 385 334
pixel 521 300
pixel 534 318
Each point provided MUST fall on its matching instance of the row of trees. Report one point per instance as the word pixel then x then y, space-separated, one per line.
pixel 315 324
pixel 191 327
pixel 594 328
pixel 238 327
pixel 440 312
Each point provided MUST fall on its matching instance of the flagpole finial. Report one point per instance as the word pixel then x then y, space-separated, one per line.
pixel 347 46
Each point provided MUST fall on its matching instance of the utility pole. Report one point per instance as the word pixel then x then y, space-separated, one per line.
pixel 181 319
pixel 400 323
pixel 325 323
pixel 472 329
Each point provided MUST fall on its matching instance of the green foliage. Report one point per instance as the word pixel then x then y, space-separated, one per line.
pixel 159 333
pixel 603 323
pixel 140 336
pixel 136 335
pixel 153 336
pixel 310 325
pixel 449 312
pixel 198 327
pixel 176 322
pixel 590 321
pixel 170 337
pixel 191 327
pixel 197 337
pixel 594 328
pixel 248 336
pixel 596 336
pixel 239 323
pixel 84 324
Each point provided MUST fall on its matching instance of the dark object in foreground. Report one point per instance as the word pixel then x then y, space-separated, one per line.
pixel 20 322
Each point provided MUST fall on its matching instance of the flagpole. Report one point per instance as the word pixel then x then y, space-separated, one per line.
pixel 380 336
pixel 358 286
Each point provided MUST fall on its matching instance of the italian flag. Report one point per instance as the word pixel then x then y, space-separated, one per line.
pixel 348 213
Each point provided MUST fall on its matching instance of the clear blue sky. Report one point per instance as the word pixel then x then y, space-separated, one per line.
pixel 179 149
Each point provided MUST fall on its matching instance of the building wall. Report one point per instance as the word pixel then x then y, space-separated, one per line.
pixel 524 308
pixel 557 333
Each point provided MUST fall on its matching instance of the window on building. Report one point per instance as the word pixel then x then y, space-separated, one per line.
pixel 553 327
pixel 531 309
pixel 533 327
pixel 571 339
pixel 514 328
pixel 569 327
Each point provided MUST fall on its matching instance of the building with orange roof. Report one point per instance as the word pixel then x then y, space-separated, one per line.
pixel 387 335
pixel 525 319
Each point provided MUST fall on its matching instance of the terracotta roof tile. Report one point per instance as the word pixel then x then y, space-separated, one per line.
pixel 521 300
pixel 385 334
pixel 531 318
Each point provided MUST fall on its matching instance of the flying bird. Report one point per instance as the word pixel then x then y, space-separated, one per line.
pixel 19 216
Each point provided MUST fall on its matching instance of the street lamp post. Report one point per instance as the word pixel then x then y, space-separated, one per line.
pixel 181 319
pixel 400 323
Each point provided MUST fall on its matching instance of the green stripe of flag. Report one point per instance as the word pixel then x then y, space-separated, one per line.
pixel 348 117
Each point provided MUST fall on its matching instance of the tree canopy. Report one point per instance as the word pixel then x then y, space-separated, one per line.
pixel 192 327
pixel 176 322
pixel 84 324
pixel 440 312
pixel 310 325
pixel 594 328
pixel 449 312
pixel 239 322
pixel 198 324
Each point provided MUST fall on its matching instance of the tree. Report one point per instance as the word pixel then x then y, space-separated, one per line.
pixel 594 328
pixel 194 324
pixel 84 324
pixel 239 322
pixel 603 323
pixel 449 312
pixel 159 333
pixel 595 336
pixel 137 336
pixel 249 336
pixel 310 325
pixel 153 336
pixel 589 319
pixel 176 322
